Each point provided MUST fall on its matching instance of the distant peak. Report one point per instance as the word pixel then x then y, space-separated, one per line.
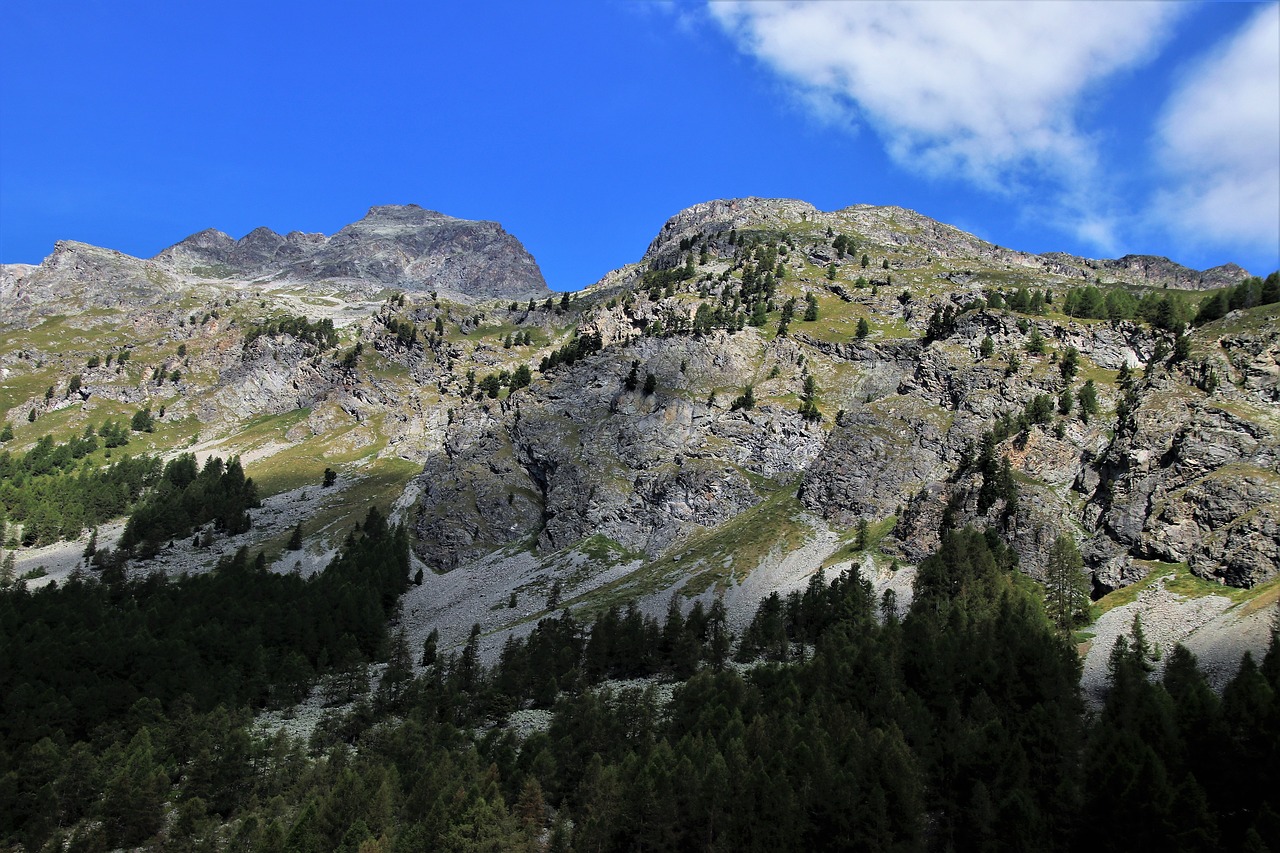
pixel 208 238
pixel 260 233
pixel 405 213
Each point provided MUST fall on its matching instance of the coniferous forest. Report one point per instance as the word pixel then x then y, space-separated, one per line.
pixel 833 723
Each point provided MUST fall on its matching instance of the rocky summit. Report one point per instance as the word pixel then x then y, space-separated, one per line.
pixel 769 391
pixel 395 246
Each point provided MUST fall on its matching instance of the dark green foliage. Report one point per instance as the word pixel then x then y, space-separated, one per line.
pixel 987 347
pixel 1066 586
pixel 942 322
pixel 113 434
pixel 579 346
pixel 56 492
pixel 1069 363
pixel 319 335
pixel 843 244
pixel 745 400
pixel 1171 766
pixel 650 384
pixel 997 478
pixel 788 310
pixel 135 676
pixel 665 279
pixel 521 377
pixel 1088 401
pixel 406 333
pixel 1247 294
pixel 143 421
pixel 295 539
pixel 184 498
pixel 809 399
pixel 1181 349
pixel 864 328
pixel 352 358
pixel 1039 409
pixel 1167 311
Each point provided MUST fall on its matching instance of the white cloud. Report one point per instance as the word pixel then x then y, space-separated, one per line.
pixel 989 91
pixel 1219 142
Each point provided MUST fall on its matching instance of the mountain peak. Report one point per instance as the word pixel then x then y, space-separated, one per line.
pixel 397 245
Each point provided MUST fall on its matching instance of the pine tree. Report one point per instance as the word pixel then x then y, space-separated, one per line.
pixel 429 648
pixel 1066 586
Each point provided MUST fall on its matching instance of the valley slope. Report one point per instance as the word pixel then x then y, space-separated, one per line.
pixel 677 428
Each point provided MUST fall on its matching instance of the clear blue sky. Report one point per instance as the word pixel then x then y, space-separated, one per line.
pixel 581 126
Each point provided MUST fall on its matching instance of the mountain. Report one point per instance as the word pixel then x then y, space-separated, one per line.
pixel 400 246
pixel 406 567
pixel 929 360
pixel 394 246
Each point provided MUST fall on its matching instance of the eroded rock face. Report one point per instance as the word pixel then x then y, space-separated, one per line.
pixel 1189 476
pixel 1189 481
pixel 585 456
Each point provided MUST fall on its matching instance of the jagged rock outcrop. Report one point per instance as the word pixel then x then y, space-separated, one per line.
pixel 1151 270
pixel 1177 463
pixel 402 246
pixel 584 456
pixel 77 274
pixel 897 227
pixel 1189 480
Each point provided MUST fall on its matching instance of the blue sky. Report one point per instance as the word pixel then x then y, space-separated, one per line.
pixel 1098 129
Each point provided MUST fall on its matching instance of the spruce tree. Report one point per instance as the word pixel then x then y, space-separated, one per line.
pixel 1066 589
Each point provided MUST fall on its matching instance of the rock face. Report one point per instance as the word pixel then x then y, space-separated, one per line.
pixel 585 456
pixel 80 274
pixel 402 246
pixel 1148 269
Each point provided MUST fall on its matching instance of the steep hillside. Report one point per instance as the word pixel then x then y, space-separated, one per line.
pixel 769 390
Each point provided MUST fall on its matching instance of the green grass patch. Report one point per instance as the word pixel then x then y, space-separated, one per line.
pixel 849 550
pixel 336 510
pixel 304 463
pixel 710 558
pixel 1129 594
pixel 1181 581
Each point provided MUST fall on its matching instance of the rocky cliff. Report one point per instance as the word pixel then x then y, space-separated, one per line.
pixel 1159 470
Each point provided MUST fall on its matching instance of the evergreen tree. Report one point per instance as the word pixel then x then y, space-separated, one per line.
pixel 1066 586
pixel 1088 401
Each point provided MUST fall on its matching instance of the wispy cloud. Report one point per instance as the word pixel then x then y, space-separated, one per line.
pixel 989 92
pixel 1219 142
